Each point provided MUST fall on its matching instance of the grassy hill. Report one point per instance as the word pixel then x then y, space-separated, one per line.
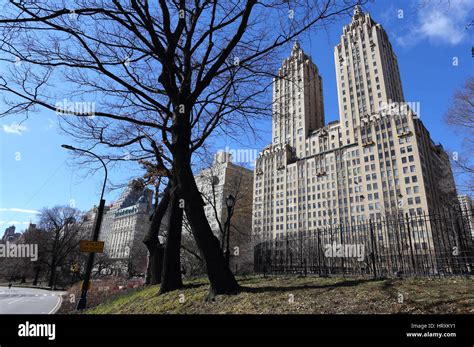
pixel 304 295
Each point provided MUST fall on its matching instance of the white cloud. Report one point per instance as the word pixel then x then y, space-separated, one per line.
pixel 441 22
pixel 14 128
pixel 51 124
pixel 19 210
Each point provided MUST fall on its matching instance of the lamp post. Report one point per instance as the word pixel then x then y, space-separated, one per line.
pixel 82 303
pixel 230 202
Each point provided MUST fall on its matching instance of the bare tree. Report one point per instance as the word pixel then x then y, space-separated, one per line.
pixel 217 185
pixel 61 233
pixel 136 260
pixel 168 74
pixel 171 275
pixel 152 240
pixel 460 116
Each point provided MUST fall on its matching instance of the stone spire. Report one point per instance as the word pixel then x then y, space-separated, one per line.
pixel 357 11
pixel 296 46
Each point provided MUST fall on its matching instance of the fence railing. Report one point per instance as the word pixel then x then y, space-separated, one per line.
pixel 435 244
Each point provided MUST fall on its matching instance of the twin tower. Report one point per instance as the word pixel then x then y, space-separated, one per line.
pixel 367 75
pixel 376 160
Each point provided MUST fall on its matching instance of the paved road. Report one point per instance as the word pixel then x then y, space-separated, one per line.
pixel 29 301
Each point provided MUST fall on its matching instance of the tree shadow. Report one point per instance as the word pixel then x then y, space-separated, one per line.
pixel 350 283
pixel 194 285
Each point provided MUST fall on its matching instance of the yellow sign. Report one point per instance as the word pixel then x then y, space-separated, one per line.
pixel 91 246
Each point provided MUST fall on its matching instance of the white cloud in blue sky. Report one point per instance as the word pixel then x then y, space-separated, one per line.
pixel 440 22
pixel 51 124
pixel 14 128
pixel 16 216
pixel 19 210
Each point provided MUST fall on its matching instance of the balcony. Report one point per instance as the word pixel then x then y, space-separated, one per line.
pixel 405 133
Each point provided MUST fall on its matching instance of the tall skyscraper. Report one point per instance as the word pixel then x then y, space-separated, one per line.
pixel 298 107
pixel 366 71
pixel 377 160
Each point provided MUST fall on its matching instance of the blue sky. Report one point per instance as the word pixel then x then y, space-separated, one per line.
pixel 36 172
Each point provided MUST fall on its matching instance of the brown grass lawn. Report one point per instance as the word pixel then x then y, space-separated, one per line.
pixel 304 295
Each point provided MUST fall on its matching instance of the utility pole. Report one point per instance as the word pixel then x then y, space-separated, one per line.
pixel 82 303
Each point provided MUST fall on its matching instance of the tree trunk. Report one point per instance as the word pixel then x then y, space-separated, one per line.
pixel 171 276
pixel 155 264
pixel 52 275
pixel 220 277
pixel 37 272
pixel 155 259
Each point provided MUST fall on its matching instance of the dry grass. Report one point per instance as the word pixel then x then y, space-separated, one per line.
pixel 304 295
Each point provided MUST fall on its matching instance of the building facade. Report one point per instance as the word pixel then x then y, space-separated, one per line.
pixel 215 184
pixel 377 160
pixel 10 235
pixel 467 210
pixel 126 222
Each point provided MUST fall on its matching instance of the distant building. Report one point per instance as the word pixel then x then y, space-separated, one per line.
pixel 467 209
pixel 215 184
pixel 10 235
pixel 89 220
pixel 126 222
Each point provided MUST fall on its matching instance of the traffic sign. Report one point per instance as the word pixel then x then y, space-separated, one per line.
pixel 91 246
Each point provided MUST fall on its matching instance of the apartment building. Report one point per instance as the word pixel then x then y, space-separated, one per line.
pixel 377 160
pixel 215 183
pixel 467 210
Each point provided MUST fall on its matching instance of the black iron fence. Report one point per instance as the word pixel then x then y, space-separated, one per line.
pixel 435 244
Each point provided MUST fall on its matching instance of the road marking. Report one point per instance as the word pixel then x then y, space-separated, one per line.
pixel 58 304
pixel 12 302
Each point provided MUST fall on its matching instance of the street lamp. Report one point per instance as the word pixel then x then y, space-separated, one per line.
pixel 82 303
pixel 230 202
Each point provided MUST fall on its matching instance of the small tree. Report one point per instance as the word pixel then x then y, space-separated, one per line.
pixel 60 235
